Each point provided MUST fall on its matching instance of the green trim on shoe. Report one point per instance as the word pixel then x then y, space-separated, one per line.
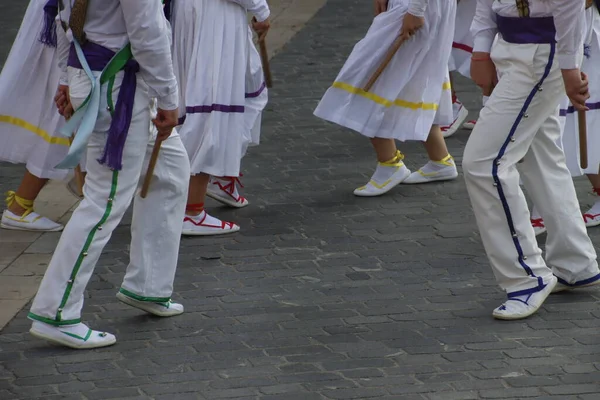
pixel 159 300
pixel 89 333
pixel 52 321
pixel 86 246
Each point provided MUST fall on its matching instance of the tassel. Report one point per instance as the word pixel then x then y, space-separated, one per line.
pixel 121 119
pixel 48 34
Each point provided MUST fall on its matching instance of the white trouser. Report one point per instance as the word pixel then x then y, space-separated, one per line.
pixel 157 219
pixel 520 121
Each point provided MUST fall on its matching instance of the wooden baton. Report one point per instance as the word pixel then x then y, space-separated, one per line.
pixel 583 152
pixel 151 166
pixel 264 56
pixel 79 179
pixel 388 58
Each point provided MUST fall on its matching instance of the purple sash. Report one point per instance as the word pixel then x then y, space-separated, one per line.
pixel 98 58
pixel 523 30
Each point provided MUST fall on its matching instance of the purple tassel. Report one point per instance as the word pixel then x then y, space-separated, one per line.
pixel 587 50
pixel 121 119
pixel 48 34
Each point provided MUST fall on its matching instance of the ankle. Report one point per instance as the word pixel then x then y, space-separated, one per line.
pixel 193 210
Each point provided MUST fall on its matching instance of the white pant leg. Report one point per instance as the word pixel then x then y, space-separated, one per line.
pixel 504 132
pixel 569 250
pixel 157 224
pixel 108 194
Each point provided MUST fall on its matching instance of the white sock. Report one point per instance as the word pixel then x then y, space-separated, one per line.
pixel 437 166
pixel 535 214
pixel 205 218
pixel 595 210
pixel 485 100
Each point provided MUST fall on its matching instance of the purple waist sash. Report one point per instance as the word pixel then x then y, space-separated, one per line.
pixel 523 30
pixel 99 58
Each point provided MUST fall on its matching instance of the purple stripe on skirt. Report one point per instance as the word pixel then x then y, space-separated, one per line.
pixel 571 109
pixel 209 109
pixel 257 93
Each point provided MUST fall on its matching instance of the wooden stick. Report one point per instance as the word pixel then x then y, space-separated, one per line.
pixel 264 55
pixel 583 152
pixel 388 57
pixel 78 173
pixel 151 165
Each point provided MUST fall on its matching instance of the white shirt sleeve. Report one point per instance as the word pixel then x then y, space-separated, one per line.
pixel 569 18
pixel 62 48
pixel 417 7
pixel 258 8
pixel 150 44
pixel 483 27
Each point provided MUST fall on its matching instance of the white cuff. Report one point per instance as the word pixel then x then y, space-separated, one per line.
pixel 262 14
pixel 483 44
pixel 568 61
pixel 169 102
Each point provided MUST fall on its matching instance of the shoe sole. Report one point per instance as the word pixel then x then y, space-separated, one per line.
pixel 503 317
pixel 66 343
pixel 226 201
pixel 540 232
pixel 140 306
pixel 16 228
pixel 391 185
pixel 592 224
pixel 216 233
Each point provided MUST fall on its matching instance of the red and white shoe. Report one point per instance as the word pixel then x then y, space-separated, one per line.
pixel 470 125
pixel 591 219
pixel 225 190
pixel 205 225
pixel 460 114
pixel 538 226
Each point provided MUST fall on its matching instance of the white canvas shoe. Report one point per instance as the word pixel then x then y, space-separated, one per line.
pixel 460 114
pixel 206 225
pixel 563 286
pixel 523 306
pixel 77 336
pixel 387 176
pixel 538 226
pixel 31 221
pixel 434 171
pixel 158 308
pixel 225 190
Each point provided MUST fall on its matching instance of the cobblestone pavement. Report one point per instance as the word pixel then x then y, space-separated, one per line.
pixel 322 295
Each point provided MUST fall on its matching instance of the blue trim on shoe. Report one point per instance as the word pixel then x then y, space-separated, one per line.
pixel 579 283
pixel 541 286
pixel 498 184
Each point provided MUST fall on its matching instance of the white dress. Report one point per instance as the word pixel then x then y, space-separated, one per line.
pixel 462 46
pixel 569 118
pixel 211 52
pixel 29 120
pixel 256 94
pixel 412 93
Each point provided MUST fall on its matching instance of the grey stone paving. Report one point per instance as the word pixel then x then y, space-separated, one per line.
pixel 323 295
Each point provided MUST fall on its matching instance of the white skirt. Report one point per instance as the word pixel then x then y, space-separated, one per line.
pixel 462 46
pixel 210 53
pixel 256 95
pixel 29 120
pixel 412 93
pixel 569 118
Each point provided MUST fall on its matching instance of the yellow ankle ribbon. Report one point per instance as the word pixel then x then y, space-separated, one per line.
pixel 24 203
pixel 394 162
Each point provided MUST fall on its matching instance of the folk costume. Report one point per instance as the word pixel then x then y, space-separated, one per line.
pixel 220 102
pixel 119 70
pixel 29 120
pixel 570 125
pixel 411 95
pixel 520 123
